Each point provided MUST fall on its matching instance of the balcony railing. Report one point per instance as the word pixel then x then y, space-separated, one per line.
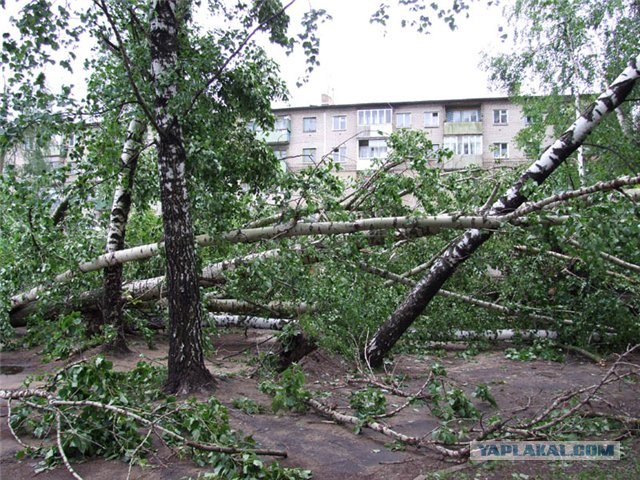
pixel 458 162
pixel 462 128
pixel 375 131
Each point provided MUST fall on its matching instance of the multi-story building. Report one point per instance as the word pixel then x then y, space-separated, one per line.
pixel 38 156
pixel 479 132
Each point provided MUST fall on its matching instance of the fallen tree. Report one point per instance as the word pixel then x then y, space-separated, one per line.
pixel 151 288
pixel 460 249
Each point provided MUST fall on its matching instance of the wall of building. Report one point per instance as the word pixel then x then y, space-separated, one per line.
pixel 327 136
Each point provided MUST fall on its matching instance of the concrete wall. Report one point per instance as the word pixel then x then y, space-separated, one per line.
pixel 325 139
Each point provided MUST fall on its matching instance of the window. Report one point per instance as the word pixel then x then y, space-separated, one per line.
pixel 309 124
pixel 500 117
pixel 282 123
pixel 403 120
pixel 527 119
pixel 309 155
pixel 464 144
pixel 431 119
pixel 466 115
pixel 374 117
pixel 369 149
pixel 339 122
pixel 339 155
pixel 500 150
pixel 280 153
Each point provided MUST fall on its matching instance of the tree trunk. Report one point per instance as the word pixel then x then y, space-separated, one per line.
pixel 248 321
pixel 465 245
pixel 186 369
pixel 112 301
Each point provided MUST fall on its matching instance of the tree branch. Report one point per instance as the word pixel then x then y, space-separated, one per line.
pixel 54 402
pixel 127 64
pixel 236 52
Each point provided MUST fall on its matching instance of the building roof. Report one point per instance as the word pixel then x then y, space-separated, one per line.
pixel 382 104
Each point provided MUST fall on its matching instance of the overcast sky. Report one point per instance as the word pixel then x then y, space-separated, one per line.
pixel 361 62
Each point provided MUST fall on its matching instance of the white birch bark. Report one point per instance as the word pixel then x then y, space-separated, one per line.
pixel 464 246
pixel 142 252
pixel 505 334
pixel 424 225
pixel 228 305
pixel 121 201
pixel 112 302
pixel 248 321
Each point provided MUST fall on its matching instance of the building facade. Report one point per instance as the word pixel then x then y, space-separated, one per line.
pixel 479 132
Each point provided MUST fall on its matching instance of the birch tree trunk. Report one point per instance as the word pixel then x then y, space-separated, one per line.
pixel 186 369
pixel 465 245
pixel 112 301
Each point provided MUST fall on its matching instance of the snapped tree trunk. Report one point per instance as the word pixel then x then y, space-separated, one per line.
pixel 186 369
pixel 465 245
pixel 112 301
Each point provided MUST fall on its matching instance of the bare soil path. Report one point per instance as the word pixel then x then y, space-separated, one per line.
pixel 335 452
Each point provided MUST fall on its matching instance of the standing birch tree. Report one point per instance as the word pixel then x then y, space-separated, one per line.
pixel 112 303
pixel 187 371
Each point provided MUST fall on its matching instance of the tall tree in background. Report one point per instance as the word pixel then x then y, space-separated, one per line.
pixel 561 53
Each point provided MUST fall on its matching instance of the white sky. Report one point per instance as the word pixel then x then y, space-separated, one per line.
pixel 362 62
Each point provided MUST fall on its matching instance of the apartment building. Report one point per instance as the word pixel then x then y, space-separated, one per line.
pixel 479 132
pixel 38 155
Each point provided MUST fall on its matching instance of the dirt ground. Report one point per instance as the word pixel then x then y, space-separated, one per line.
pixel 333 451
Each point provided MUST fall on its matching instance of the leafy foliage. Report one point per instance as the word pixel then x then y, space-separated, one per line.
pixel 483 392
pixel 92 431
pixel 89 431
pixel 248 405
pixel 288 392
pixel 541 349
pixel 368 402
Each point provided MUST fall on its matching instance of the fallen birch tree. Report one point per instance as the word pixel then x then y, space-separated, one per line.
pixel 461 248
pixel 421 225
pixel 250 235
pixel 248 321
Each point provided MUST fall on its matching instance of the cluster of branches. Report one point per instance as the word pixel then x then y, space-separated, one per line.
pixel 577 403
pixel 156 109
pixel 509 209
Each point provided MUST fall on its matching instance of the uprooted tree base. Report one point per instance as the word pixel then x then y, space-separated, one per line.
pixel 523 390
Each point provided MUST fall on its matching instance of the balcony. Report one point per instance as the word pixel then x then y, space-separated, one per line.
pixel 375 131
pixel 277 137
pixel 462 128
pixel 458 162
pixel 280 135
